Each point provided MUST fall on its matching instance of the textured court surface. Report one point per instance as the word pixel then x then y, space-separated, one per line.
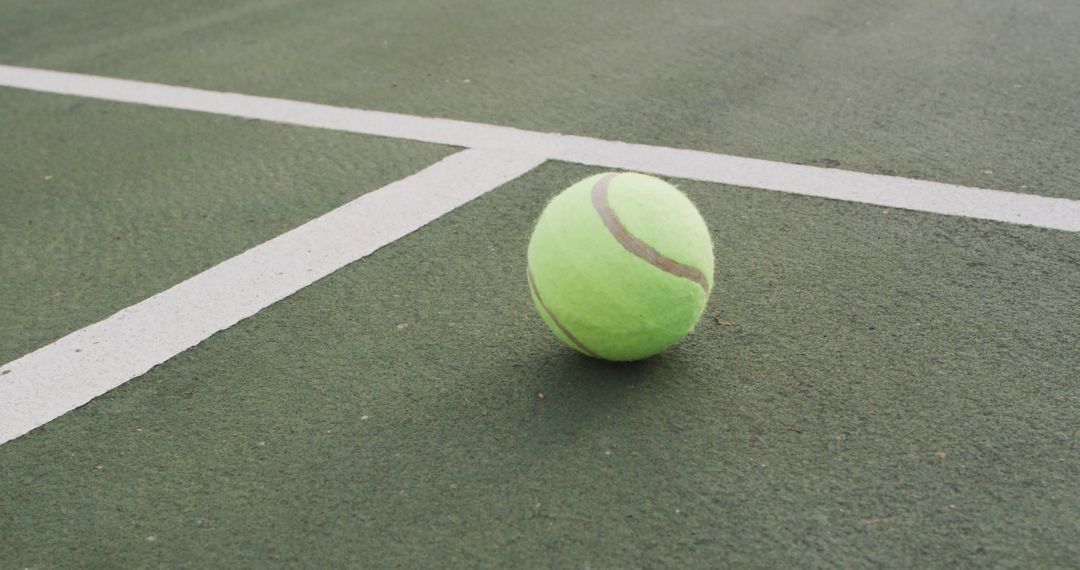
pixel 870 387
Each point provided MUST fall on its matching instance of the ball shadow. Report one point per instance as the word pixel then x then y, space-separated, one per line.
pixel 581 393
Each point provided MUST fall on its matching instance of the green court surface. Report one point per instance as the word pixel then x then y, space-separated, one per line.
pixel 919 89
pixel 851 399
pixel 869 387
pixel 111 203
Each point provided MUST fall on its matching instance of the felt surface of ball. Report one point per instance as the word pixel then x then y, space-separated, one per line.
pixel 620 266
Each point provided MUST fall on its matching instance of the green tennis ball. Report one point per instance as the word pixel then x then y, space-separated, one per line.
pixel 620 266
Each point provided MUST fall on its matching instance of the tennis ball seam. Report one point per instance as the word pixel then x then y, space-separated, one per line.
pixel 636 245
pixel 622 258
pixel 551 315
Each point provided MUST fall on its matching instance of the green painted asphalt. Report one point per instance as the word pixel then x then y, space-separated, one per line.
pixel 869 388
pixel 973 93
pixel 107 204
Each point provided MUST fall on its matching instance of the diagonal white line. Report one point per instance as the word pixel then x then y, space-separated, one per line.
pixel 891 191
pixel 68 373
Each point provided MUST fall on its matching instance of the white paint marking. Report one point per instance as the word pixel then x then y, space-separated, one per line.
pixel 891 191
pixel 880 190
pixel 68 373
pixel 87 363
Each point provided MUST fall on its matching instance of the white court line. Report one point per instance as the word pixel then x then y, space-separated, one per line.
pixel 73 370
pixel 70 372
pixel 892 191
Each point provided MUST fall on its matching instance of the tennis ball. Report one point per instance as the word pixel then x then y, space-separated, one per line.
pixel 620 266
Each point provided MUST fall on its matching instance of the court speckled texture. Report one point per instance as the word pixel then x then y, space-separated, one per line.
pixel 850 399
pixel 869 387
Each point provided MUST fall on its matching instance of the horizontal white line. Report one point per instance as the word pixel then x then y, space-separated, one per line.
pixel 891 191
pixel 68 373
